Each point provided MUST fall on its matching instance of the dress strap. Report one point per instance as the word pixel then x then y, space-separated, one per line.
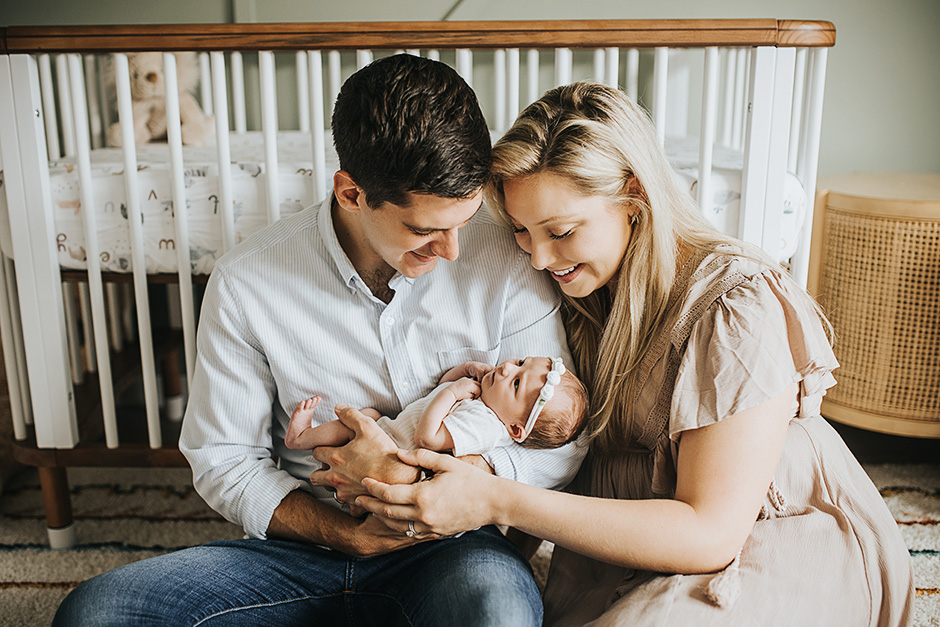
pixel 655 426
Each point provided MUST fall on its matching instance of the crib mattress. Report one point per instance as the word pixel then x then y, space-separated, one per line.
pixel 295 184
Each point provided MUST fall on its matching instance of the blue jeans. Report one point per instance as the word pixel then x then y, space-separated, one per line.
pixel 479 578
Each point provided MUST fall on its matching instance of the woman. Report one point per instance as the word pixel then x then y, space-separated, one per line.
pixel 713 492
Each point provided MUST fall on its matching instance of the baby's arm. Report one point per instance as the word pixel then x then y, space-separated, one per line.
pixel 431 432
pixel 471 369
pixel 300 434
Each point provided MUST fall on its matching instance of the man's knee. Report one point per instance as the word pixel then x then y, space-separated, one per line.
pixel 486 582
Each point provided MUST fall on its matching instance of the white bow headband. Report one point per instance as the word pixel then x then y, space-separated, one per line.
pixel 545 395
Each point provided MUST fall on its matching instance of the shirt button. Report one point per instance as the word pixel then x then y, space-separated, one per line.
pixel 405 385
pixel 390 321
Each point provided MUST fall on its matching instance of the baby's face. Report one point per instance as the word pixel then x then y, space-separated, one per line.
pixel 512 388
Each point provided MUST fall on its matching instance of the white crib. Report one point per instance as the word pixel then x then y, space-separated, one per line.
pixel 737 104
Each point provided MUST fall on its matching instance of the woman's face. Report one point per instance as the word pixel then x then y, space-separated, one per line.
pixel 579 240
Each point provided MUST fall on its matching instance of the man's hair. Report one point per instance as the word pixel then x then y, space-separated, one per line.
pixel 409 124
pixel 563 417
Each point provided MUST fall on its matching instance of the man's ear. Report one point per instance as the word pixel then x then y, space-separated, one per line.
pixel 516 431
pixel 347 193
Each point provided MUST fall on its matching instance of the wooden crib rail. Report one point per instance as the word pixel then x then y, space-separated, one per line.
pixel 358 35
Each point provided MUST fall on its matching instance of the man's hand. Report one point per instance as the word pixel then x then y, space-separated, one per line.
pixel 301 518
pixel 371 453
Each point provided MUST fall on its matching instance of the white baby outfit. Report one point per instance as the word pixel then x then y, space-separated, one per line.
pixel 473 426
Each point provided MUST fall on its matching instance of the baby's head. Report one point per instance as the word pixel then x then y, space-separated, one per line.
pixel 540 402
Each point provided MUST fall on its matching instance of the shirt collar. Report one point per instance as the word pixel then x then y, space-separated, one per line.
pixel 328 233
pixel 340 259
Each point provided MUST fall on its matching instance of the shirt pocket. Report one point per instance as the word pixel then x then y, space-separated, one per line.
pixel 456 356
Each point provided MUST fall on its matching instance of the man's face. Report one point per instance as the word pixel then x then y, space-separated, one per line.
pixel 410 239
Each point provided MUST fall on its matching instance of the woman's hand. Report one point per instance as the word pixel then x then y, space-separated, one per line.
pixel 459 497
pixel 371 453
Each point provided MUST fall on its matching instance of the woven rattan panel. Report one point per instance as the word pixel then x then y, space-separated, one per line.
pixel 880 286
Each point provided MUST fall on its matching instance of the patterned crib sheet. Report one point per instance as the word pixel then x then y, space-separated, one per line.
pixel 295 183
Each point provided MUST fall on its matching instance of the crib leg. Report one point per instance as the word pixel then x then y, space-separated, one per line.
pixel 58 506
pixel 172 388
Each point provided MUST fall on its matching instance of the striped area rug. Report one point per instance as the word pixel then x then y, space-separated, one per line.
pixel 126 514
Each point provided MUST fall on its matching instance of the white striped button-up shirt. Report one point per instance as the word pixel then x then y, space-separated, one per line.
pixel 286 316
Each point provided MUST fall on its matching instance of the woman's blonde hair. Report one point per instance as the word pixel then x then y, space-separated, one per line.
pixel 603 144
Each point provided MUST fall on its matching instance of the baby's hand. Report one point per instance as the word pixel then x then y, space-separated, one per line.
pixel 473 369
pixel 465 388
pixel 476 370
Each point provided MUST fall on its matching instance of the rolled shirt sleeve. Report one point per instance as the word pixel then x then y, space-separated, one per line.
pixel 226 435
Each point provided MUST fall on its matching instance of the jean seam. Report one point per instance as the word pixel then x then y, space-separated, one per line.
pixel 349 588
pixel 257 605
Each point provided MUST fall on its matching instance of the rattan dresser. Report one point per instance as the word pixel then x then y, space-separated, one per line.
pixel 875 268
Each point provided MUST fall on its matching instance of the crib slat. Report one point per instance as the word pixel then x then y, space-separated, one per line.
pixel 303 91
pixel 113 311
pixel 660 80
pixel 564 61
pixel 84 303
pixel 138 260
pixel 512 70
pixel 174 138
pixel 223 149
pixel 317 125
pixel 465 64
pixel 68 120
pixel 600 65
pixel 48 107
pixel 740 88
pixel 335 63
pixel 363 58
pixel 93 252
pixel 796 117
pixel 709 120
pixel 727 99
pixel 18 347
pixel 757 144
pixel 7 330
pixel 434 55
pixel 238 93
pixel 205 83
pixel 92 81
pixel 29 194
pixel 809 155
pixel 632 78
pixel 499 89
pixel 269 131
pixel 613 66
pixel 19 351
pixel 777 150
pixel 72 334
pixel 532 69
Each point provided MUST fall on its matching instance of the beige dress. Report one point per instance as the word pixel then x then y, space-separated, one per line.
pixel 824 550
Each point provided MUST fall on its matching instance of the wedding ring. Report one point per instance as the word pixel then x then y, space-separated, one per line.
pixel 336 498
pixel 411 533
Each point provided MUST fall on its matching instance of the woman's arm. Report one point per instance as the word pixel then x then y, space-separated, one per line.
pixel 724 471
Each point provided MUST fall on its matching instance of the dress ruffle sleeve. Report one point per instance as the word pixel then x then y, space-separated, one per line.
pixel 753 341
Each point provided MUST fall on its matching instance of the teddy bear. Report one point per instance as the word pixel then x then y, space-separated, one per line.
pixel 147 95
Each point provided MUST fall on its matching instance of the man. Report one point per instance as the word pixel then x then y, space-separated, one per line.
pixel 366 299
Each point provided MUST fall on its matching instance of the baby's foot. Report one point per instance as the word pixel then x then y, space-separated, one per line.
pixel 306 408
pixel 300 421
